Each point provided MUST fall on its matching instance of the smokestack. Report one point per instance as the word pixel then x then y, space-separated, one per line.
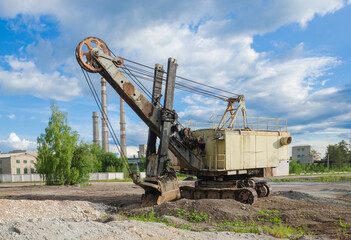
pixel 104 116
pixel 96 139
pixel 122 123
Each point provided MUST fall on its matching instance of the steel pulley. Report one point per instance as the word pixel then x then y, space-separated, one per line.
pixel 84 56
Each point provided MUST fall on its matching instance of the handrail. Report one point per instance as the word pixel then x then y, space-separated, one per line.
pixel 253 123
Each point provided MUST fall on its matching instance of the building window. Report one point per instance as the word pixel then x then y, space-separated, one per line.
pixel 24 161
pixel 302 155
pixel 0 170
pixel 298 149
pixel 26 171
pixel 302 149
pixel 32 170
pixel 0 161
pixel 298 156
pixel 31 161
pixel 18 161
pixel 18 171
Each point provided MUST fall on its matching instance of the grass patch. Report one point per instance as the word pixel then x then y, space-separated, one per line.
pixel 276 229
pixel 192 216
pixel 344 227
pixel 267 222
pixel 152 217
pixel 326 178
pixel 269 216
pixel 146 217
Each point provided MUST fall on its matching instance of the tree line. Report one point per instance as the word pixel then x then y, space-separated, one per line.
pixel 64 159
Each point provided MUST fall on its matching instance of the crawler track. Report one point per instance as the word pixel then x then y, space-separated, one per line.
pixel 247 195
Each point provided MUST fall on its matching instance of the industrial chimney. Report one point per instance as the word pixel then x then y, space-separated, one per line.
pixel 104 116
pixel 122 127
pixel 96 139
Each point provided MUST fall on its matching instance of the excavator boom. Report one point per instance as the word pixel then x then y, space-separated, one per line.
pixel 160 178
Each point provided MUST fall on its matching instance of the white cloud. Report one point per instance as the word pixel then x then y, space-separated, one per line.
pixel 9 9
pixel 14 142
pixel 25 78
pixel 210 47
pixel 320 140
pixel 12 116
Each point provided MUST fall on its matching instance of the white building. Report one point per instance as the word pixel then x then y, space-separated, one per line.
pixel 18 162
pixel 305 154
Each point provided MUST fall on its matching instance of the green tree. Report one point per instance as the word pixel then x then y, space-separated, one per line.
pixel 109 160
pixel 83 163
pixel 339 154
pixel 110 169
pixel 56 149
pixel 295 167
pixel 142 164
pixel 95 149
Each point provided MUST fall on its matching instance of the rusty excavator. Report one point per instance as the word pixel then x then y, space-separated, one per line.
pixel 224 157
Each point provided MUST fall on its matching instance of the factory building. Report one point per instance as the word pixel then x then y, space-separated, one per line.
pixel 305 154
pixel 18 162
pixel 142 150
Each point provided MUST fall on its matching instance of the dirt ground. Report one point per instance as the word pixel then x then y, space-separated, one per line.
pixel 322 209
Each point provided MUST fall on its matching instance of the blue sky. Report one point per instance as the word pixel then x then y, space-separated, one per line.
pixel 291 59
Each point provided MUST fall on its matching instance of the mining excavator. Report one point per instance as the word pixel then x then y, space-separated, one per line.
pixel 224 157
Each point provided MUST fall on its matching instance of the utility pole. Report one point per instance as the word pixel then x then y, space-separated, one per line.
pixel 328 162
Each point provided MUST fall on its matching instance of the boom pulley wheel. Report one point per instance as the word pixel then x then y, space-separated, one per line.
pixel 83 53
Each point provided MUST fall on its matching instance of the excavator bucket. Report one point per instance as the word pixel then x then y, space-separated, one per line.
pixel 161 189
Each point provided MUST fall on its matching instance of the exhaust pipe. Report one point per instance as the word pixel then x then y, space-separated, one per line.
pixel 285 141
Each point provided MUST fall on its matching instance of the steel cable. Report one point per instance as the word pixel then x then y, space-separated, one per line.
pixel 185 86
pixel 109 125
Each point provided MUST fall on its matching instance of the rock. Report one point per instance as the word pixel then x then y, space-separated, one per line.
pixel 33 220
pixel 70 226
pixel 304 237
pixel 17 229
pixel 132 229
pixel 175 220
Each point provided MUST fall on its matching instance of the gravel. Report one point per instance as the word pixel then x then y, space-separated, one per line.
pixel 50 219
pixel 130 229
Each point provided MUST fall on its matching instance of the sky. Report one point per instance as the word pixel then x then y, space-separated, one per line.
pixel 290 59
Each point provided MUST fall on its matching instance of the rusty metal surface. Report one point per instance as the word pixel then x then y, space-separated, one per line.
pixel 268 172
pixel 233 112
pixel 245 195
pixel 129 88
pixel 160 189
pixel 88 63
pixel 144 109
